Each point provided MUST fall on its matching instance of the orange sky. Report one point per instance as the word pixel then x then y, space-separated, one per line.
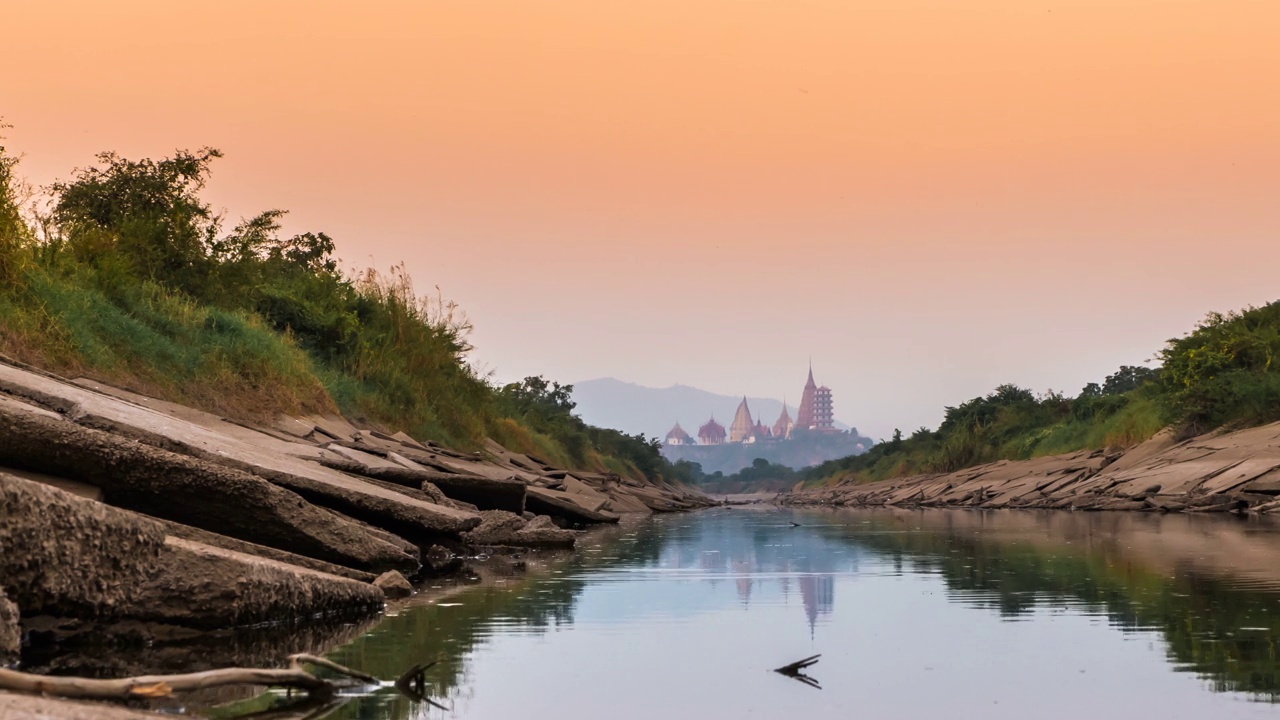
pixel 928 196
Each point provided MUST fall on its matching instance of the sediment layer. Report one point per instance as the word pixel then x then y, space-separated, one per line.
pixel 1221 472
pixel 119 508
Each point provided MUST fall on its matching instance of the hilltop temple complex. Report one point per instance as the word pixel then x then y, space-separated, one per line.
pixel 811 438
pixel 815 415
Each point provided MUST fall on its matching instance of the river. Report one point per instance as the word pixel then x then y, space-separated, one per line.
pixel 916 614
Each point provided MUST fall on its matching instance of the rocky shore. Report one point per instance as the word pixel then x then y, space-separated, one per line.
pixel 1220 472
pixel 118 509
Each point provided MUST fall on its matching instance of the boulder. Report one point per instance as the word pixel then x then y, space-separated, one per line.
pixel 394 585
pixel 542 531
pixel 499 527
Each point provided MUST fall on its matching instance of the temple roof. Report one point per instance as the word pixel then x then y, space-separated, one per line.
pixel 678 433
pixel 712 429
pixel 742 422
pixel 782 428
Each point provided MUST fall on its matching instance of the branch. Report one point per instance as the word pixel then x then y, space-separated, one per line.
pixel 154 686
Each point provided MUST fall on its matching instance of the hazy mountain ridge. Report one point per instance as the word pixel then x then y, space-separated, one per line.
pixel 632 408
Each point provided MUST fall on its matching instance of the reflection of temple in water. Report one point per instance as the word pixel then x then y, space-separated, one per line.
pixel 819 595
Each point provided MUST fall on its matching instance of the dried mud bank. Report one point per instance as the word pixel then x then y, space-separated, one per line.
pixel 121 509
pixel 1222 472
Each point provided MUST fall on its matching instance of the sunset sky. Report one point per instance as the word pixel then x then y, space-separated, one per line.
pixel 929 197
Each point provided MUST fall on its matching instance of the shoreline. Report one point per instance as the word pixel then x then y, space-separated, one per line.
pixel 143 519
pixel 1231 472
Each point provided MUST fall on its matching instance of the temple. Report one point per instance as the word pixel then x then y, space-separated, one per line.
pixel 712 433
pixel 743 428
pixel 782 429
pixel 815 415
pixel 678 436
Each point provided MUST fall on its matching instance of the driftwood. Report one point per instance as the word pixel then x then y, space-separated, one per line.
pixel 796 670
pixel 157 686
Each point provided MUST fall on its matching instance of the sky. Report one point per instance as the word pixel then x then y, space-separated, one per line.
pixel 927 197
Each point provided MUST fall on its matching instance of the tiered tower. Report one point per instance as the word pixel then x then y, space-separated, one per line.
pixel 816 412
pixel 743 425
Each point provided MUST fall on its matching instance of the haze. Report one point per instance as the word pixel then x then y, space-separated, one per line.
pixel 930 197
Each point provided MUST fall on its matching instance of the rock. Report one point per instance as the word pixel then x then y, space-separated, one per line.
pixel 540 522
pixel 564 505
pixel 185 490
pixel 210 442
pixel 210 588
pixel 394 585
pixel 10 631
pixel 542 531
pixel 498 527
pixel 438 557
pixel 69 557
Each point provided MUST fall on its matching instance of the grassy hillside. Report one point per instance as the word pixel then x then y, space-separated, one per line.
pixel 1224 373
pixel 126 274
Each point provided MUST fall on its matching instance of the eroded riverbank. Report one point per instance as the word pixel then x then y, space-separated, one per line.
pixel 1221 472
pixel 127 522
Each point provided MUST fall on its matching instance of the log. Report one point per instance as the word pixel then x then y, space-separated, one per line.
pixel 157 686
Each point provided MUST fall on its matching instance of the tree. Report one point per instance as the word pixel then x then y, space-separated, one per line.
pixel 1128 377
pixel 147 212
pixel 539 396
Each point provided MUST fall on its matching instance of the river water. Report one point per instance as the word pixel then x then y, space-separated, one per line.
pixel 916 614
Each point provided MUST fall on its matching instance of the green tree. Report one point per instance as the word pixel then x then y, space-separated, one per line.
pixel 146 212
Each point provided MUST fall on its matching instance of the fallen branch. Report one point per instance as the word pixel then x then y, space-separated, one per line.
pixel 155 686
pixel 796 669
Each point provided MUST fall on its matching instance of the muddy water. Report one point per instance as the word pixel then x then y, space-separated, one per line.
pixel 919 614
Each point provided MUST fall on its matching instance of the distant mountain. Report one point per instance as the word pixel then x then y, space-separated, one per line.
pixel 631 408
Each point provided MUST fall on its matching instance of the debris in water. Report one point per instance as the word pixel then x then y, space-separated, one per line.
pixel 796 671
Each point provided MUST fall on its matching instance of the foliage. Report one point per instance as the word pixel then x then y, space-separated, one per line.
pixel 134 279
pixel 1014 423
pixel 547 407
pixel 1226 371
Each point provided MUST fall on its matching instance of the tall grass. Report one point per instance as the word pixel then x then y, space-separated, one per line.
pixel 132 280
pixel 158 343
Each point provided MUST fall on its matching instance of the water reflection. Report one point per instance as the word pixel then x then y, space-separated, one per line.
pixel 916 614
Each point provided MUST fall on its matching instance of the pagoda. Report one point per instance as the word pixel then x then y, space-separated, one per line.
pixel 743 426
pixel 815 411
pixel 782 428
pixel 678 436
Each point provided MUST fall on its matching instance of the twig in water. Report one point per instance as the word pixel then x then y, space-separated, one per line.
pixel 796 669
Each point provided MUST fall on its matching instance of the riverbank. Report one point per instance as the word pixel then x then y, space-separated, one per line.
pixel 1219 472
pixel 128 517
